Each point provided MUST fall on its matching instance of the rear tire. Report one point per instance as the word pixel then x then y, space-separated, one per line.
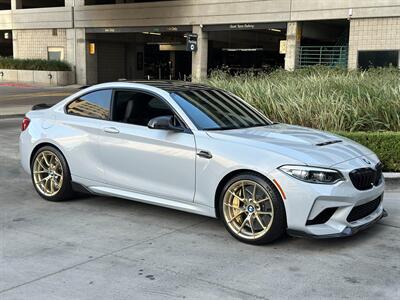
pixel 50 175
pixel 252 209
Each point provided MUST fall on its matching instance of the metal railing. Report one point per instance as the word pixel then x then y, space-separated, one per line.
pixel 323 55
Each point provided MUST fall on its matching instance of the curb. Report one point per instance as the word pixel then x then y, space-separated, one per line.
pixel 11 116
pixel 392 180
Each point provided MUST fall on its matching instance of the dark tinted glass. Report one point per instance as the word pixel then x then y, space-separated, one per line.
pixel 373 59
pixel 138 108
pixel 92 105
pixel 218 110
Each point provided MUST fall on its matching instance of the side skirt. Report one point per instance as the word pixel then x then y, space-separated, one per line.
pixel 183 206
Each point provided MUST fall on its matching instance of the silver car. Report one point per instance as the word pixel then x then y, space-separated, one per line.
pixel 202 150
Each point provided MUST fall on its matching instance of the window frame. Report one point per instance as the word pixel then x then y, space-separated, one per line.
pixel 83 95
pixel 56 49
pixel 186 128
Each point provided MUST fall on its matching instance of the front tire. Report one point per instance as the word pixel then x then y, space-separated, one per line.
pixel 252 209
pixel 50 175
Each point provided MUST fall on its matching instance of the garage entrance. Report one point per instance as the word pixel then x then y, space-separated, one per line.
pixel 141 53
pixel 6 44
pixel 245 47
pixel 324 43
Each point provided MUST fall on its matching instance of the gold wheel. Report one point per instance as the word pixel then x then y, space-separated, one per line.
pixel 248 209
pixel 48 173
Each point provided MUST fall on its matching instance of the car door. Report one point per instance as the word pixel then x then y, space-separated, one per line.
pixel 79 131
pixel 153 162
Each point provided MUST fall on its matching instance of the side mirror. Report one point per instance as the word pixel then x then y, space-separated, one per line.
pixel 165 123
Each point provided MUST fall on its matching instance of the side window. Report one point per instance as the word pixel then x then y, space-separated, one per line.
pixel 92 105
pixel 138 108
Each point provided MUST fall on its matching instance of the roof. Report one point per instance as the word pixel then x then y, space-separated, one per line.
pixel 173 86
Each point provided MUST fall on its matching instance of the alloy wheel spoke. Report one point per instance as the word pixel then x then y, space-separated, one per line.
pixel 41 164
pixel 260 222
pixel 263 200
pixel 237 215
pixel 244 190
pixel 46 160
pixel 52 185
pixel 254 191
pixel 244 223
pixel 236 196
pixel 269 213
pixel 230 205
pixel 251 226
pixel 43 179
pixel 40 172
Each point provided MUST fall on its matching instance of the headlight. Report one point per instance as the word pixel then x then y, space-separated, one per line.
pixel 313 174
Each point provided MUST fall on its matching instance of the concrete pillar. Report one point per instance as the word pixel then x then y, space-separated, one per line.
pixel 353 47
pixel 15 43
pixel 293 39
pixel 199 58
pixel 16 4
pixel 78 54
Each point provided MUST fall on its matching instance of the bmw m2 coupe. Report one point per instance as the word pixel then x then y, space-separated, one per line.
pixel 206 151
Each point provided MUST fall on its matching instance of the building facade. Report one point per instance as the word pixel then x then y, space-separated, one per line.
pixel 106 40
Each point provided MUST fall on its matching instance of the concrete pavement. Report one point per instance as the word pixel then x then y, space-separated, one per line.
pixel 108 248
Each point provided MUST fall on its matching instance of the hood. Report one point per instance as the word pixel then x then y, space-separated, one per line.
pixel 309 146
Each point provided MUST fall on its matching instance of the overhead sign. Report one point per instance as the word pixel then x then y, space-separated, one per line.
pixel 191 42
pixel 139 29
pixel 244 26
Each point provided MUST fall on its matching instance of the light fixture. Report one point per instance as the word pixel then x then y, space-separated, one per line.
pixel 152 33
pixel 242 49
pixel 92 48
pixel 275 30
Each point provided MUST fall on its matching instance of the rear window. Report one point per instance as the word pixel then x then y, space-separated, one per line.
pixel 92 105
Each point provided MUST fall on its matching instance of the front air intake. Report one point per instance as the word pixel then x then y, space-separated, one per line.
pixel 361 211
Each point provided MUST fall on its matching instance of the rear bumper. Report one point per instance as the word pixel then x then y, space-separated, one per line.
pixel 347 231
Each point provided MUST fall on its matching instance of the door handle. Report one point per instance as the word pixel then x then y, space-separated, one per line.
pixel 204 154
pixel 112 130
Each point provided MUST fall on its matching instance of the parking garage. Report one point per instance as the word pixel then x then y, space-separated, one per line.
pixel 162 52
pixel 140 53
pixel 239 48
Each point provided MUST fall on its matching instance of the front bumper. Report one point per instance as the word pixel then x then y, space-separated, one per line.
pixel 305 202
pixel 347 231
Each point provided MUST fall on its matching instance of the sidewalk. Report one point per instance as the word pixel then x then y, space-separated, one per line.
pixel 14 111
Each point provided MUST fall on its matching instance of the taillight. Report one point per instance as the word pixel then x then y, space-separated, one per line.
pixel 25 123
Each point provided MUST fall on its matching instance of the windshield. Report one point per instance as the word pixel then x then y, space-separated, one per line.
pixel 218 110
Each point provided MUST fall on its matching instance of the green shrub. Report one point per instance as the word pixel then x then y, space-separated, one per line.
pixel 320 97
pixel 33 64
pixel 385 144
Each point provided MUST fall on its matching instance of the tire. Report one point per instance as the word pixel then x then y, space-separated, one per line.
pixel 256 221
pixel 47 165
